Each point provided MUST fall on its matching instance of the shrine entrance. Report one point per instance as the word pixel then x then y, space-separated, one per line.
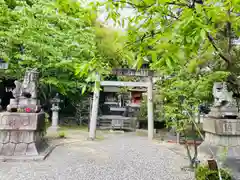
pixel 147 82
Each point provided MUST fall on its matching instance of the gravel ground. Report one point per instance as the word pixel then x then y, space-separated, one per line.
pixel 119 157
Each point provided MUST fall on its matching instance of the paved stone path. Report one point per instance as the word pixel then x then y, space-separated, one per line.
pixel 119 157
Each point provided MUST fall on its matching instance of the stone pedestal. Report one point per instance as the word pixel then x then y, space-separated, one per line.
pixel 21 134
pixel 222 138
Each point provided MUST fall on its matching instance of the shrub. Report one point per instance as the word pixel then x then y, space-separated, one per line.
pixel 46 118
pixel 204 173
pixel 61 134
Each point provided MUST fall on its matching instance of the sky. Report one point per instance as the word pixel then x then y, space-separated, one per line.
pixel 124 14
pixel 103 15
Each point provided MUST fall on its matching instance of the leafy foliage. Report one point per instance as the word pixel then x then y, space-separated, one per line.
pixel 62 39
pixel 203 173
pixel 47 35
pixel 61 134
pixel 157 107
pixel 110 44
pixel 183 93
pixel 183 39
pixel 176 34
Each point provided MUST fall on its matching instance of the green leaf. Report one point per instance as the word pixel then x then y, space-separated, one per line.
pixel 169 63
pixel 139 62
pixel 84 89
pixel 203 34
pixel 154 56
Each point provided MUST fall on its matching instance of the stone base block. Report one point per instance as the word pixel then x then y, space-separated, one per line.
pixel 43 153
pixel 224 148
pixel 221 135
pixel 21 134
pixel 22 121
pixel 20 143
pixel 220 147
pixel 222 126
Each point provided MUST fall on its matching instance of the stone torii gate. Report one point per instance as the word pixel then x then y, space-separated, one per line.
pixel 123 72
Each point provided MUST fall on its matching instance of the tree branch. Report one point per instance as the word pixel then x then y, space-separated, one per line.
pixel 148 6
pixel 210 38
pixel 173 16
pixel 178 4
pixel 229 34
pixel 133 4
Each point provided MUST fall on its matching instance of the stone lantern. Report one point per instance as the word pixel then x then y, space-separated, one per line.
pixel 55 112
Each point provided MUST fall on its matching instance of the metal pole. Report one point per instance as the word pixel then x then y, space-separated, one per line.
pixel 94 114
pixel 150 108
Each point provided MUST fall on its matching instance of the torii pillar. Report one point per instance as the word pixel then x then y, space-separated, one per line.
pixel 150 108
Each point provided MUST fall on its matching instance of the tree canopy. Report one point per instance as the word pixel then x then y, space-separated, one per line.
pixel 181 33
pixel 62 39
pixel 183 38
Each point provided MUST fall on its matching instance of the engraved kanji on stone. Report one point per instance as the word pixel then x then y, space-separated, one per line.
pixel 14 122
pixel 227 127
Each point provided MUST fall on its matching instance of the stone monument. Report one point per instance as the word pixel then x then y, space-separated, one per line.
pixel 222 127
pixel 22 127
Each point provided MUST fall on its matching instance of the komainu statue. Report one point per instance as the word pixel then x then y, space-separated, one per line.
pixel 29 85
pixel 224 103
pixel 25 93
